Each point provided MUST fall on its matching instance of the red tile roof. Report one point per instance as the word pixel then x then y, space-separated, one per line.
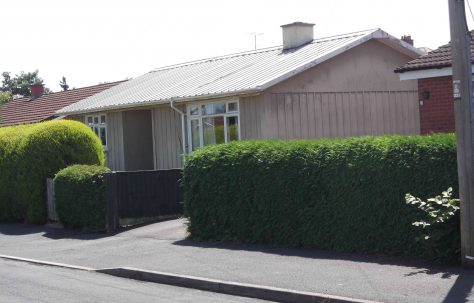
pixel 22 110
pixel 438 58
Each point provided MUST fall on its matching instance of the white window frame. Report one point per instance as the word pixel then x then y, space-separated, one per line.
pixel 99 126
pixel 200 116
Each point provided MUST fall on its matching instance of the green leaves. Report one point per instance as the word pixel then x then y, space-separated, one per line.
pixel 341 194
pixel 441 225
pixel 80 193
pixel 31 153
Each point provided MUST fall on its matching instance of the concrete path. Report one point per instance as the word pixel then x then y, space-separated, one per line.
pixel 162 247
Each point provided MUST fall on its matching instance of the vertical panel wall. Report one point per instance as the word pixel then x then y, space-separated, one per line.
pixel 115 154
pixel 167 137
pixel 251 117
pixel 329 115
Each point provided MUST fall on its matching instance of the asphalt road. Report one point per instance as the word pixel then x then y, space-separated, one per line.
pixel 23 282
pixel 162 247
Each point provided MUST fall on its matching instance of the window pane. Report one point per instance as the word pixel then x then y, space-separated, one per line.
pixel 213 130
pixel 194 110
pixel 196 142
pixel 102 119
pixel 233 106
pixel 213 108
pixel 232 128
pixel 96 130
pixel 89 120
pixel 102 136
pixel 96 120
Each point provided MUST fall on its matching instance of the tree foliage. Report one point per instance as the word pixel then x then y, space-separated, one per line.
pixel 63 84
pixel 20 84
pixel 5 97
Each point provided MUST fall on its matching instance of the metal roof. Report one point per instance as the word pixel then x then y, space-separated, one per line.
pixel 231 75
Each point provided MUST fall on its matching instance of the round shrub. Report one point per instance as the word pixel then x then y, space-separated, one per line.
pixel 80 194
pixel 342 194
pixel 31 153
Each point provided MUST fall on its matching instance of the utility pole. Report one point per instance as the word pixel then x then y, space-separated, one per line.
pixel 464 115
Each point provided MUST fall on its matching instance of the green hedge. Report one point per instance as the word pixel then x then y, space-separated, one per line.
pixel 343 194
pixel 80 193
pixel 31 153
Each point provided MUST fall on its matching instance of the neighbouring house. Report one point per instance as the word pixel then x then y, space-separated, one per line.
pixel 42 107
pixel 308 88
pixel 433 73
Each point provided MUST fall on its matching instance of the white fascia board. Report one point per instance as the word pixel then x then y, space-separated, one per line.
pixel 246 92
pixel 397 44
pixel 426 73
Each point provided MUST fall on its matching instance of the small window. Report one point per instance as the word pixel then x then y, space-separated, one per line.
pixel 232 107
pixel 194 110
pixel 98 124
pixel 213 109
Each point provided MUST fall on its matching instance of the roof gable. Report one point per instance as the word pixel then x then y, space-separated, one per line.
pixel 242 73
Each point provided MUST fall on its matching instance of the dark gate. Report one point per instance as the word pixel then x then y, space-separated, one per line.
pixel 140 196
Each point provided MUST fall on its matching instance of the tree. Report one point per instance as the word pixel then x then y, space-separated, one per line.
pixel 63 84
pixel 20 84
pixel 5 97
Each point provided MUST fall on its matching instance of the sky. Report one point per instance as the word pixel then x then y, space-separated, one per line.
pixel 91 42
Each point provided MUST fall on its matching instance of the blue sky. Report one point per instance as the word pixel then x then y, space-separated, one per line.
pixel 95 41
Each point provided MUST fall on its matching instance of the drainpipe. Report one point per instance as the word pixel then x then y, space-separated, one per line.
pixel 182 126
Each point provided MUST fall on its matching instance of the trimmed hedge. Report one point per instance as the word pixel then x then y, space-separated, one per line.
pixel 31 153
pixel 342 194
pixel 80 194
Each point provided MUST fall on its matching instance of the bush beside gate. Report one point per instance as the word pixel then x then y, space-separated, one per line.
pixel 31 153
pixel 80 193
pixel 343 194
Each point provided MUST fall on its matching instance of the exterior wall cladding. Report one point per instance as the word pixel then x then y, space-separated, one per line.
pixel 437 113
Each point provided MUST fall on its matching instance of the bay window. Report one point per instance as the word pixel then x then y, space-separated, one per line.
pixel 212 123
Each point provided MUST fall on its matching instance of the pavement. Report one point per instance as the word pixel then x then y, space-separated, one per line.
pixel 162 247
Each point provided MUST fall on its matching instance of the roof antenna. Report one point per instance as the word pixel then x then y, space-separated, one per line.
pixel 255 34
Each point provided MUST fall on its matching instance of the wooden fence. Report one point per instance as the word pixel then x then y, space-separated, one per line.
pixel 139 196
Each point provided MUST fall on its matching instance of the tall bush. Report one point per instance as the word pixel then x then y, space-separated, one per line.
pixel 80 193
pixel 31 153
pixel 342 194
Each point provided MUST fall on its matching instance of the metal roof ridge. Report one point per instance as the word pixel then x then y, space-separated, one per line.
pixel 261 50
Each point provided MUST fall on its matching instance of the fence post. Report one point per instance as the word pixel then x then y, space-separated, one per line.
pixel 112 218
pixel 50 201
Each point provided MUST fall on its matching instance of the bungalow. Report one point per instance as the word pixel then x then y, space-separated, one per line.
pixel 433 73
pixel 41 107
pixel 308 88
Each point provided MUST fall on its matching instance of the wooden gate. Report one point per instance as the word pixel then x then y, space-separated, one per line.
pixel 140 196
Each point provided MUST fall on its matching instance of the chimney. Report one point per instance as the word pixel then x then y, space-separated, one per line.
pixel 37 90
pixel 408 39
pixel 297 34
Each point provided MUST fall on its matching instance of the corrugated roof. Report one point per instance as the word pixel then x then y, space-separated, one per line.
pixel 236 74
pixel 24 110
pixel 439 58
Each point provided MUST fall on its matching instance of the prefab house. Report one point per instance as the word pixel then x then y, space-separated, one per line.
pixel 335 86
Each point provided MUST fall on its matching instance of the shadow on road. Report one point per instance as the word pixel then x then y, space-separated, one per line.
pixel 462 288
pixel 49 232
